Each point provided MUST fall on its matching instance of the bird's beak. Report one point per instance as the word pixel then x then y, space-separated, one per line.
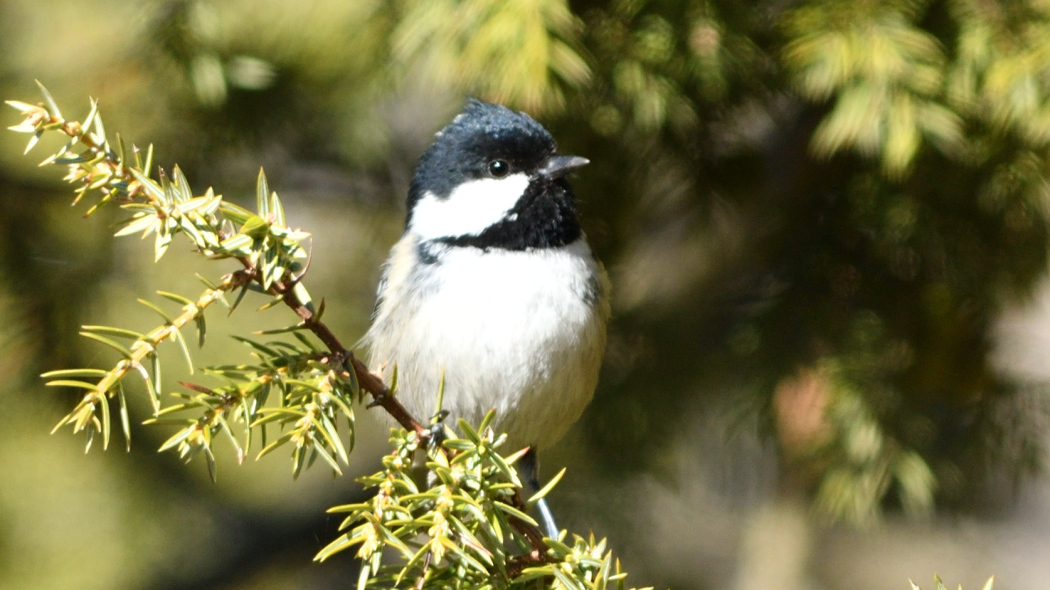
pixel 559 166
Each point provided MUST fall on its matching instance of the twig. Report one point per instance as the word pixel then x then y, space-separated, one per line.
pixel 426 566
pixel 365 378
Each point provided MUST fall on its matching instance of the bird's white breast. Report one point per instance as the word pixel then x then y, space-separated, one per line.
pixel 519 331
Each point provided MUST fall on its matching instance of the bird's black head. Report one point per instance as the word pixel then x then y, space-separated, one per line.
pixel 493 179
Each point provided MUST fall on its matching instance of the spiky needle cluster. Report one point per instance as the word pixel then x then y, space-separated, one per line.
pixel 469 530
pixel 316 387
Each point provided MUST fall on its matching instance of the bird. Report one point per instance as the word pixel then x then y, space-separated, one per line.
pixel 493 291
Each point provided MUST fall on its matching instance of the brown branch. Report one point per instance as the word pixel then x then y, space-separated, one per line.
pixel 527 530
pixel 367 380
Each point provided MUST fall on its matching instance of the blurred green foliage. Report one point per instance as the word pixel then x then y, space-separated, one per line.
pixel 821 207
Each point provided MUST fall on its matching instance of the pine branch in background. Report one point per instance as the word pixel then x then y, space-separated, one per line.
pixel 886 101
pixel 470 530
pixel 460 42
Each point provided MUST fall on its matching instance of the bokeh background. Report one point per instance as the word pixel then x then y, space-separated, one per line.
pixel 826 224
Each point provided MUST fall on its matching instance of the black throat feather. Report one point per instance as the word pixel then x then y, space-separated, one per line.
pixel 544 217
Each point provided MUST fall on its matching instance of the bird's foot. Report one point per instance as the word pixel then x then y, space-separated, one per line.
pixel 437 428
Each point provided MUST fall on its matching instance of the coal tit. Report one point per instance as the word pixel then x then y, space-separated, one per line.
pixel 494 284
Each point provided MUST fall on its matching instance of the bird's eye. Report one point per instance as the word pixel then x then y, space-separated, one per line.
pixel 499 168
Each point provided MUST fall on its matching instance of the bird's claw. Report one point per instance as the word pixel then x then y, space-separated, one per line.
pixel 378 399
pixel 437 428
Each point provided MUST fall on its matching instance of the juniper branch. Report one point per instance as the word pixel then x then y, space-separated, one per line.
pixel 103 169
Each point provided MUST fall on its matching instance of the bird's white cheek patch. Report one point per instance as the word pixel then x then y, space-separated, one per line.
pixel 469 209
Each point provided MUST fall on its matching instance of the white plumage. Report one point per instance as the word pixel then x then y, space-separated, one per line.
pixel 469 209
pixel 521 331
